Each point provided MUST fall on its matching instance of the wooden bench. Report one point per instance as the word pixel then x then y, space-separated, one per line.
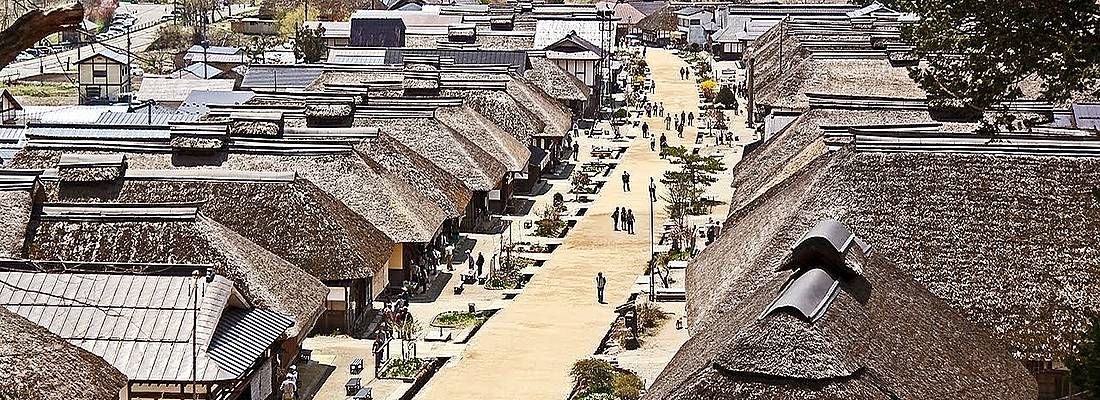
pixel 305 355
pixel 459 288
pixel 353 386
pixel 669 295
pixel 356 366
pixel 511 293
pixel 363 394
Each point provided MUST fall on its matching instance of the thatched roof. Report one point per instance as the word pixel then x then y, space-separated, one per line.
pixel 36 364
pixel 505 148
pixel 430 179
pixel 15 214
pixel 556 82
pixel 785 69
pixel 1006 239
pixel 662 20
pixel 880 335
pixel 265 280
pixel 503 110
pixel 481 41
pixel 558 119
pixel 445 148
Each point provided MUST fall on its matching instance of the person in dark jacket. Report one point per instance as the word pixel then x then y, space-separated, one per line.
pixel 480 262
pixel 615 218
pixel 601 282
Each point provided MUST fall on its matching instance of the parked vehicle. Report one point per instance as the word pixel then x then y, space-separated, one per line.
pixel 24 56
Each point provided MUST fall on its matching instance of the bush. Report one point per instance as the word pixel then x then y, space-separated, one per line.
pixel 708 87
pixel 550 223
pixel 593 375
pixel 404 368
pixel 726 97
pixel 620 114
pixel 460 319
pixel 627 386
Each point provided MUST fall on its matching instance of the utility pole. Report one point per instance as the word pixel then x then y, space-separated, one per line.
pixel 194 335
pixel 652 252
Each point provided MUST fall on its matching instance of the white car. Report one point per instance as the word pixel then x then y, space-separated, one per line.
pixel 24 57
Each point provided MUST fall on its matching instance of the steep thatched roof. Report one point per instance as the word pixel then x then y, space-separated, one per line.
pixel 880 335
pixel 556 82
pixel 1006 239
pixel 503 110
pixel 505 148
pixel 266 280
pixel 434 182
pixel 36 364
pixel 662 20
pixel 15 214
pixel 784 69
pixel 558 119
pixel 445 148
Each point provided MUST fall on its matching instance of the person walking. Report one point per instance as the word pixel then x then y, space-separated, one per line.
pixel 630 221
pixel 661 109
pixel 626 181
pixel 691 118
pixel 576 150
pixel 470 260
pixel 652 143
pixel 681 73
pixel 615 218
pixel 683 116
pixel 601 282
pixel 645 129
pixel 668 122
pixel 480 263
pixel 652 190
pixel 680 130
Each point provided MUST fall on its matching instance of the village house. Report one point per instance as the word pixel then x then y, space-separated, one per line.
pixel 104 77
pixel 146 326
pixel 695 25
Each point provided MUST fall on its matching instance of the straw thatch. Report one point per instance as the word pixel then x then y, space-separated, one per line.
pixel 662 20
pixel 503 110
pixel 883 336
pixel 430 179
pixel 558 119
pixel 36 364
pixel 1006 239
pixel 488 136
pixel 254 128
pixel 329 110
pixel 445 148
pixel 195 143
pixel 556 82
pixel 481 41
pixel 784 70
pixel 266 280
pixel 15 214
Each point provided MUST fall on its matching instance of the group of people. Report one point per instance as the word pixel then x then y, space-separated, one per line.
pixel 623 218
pixel 654 110
pixel 685 73
pixel 679 122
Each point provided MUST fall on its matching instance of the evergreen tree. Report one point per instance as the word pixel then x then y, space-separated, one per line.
pixel 687 185
pixel 1084 364
pixel 309 44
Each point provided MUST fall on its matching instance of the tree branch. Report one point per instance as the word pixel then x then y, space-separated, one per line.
pixel 35 26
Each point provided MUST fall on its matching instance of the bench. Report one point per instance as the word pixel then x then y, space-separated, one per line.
pixel 670 294
pixel 356 366
pixel 511 293
pixel 353 386
pixel 362 394
pixel 459 288
pixel 482 278
pixel 468 276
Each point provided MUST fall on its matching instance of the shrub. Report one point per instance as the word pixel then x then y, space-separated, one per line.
pixel 593 375
pixel 404 368
pixel 550 223
pixel 708 87
pixel 627 386
pixel 650 316
pixel 620 114
pixel 726 97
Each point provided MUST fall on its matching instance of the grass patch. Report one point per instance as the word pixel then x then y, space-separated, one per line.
pixel 460 319
pixel 42 89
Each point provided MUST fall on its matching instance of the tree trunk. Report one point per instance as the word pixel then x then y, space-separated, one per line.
pixel 35 26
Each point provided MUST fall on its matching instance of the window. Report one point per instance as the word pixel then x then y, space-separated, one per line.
pixel 694 22
pixel 92 92
pixel 99 74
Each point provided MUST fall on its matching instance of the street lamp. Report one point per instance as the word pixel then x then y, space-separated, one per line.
pixel 652 251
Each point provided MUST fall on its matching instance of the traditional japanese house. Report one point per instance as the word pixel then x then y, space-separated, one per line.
pixel 162 331
pixel 50 368
pixel 657 27
pixel 966 217
pixel 104 77
pixel 560 85
pixel 821 313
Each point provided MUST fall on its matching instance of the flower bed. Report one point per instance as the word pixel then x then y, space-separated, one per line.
pixel 460 319
pixel 407 369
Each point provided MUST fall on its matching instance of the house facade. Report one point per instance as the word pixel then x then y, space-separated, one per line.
pixel 104 77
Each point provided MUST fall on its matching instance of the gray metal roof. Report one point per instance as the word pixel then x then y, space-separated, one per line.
pixel 141 324
pixel 199 70
pixel 143 118
pixel 197 49
pixel 12 133
pixel 1086 116
pixel 281 76
pixel 516 59
pixel 244 334
pixel 196 102
pixel 97 131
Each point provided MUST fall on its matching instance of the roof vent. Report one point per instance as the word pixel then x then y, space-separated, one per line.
pixel 85 168
pixel 807 294
pixel 825 244
pixel 461 33
pixel 198 137
pixel 329 114
pixel 257 124
pixel 420 77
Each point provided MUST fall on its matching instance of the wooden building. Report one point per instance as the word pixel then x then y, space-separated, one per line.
pixel 9 107
pixel 104 77
pixel 147 326
pixel 255 26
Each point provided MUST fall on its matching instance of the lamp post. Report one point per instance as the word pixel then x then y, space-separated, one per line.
pixel 652 251
pixel 194 334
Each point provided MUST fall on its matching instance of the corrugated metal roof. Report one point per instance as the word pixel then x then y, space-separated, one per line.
pixel 143 118
pixel 1086 116
pixel 243 335
pixel 98 131
pixel 196 102
pixel 141 324
pixel 281 76
pixel 198 70
pixel 12 133
pixel 197 49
